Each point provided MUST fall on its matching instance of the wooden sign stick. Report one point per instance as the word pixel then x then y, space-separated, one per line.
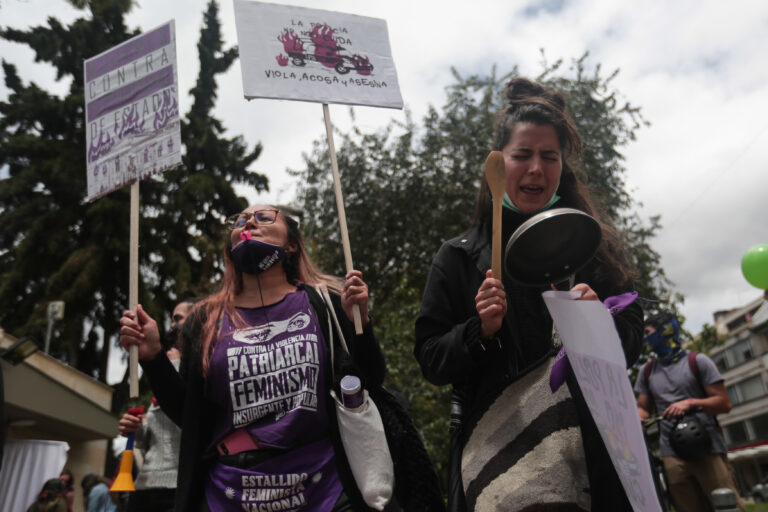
pixel 133 288
pixel 340 208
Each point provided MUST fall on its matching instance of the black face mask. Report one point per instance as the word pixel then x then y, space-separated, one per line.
pixel 253 256
pixel 171 337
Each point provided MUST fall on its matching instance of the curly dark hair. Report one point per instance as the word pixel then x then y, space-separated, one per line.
pixel 531 102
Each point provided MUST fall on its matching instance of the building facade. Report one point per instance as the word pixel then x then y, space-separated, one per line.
pixel 47 402
pixel 743 361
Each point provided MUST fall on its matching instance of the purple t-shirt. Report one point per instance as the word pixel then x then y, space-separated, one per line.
pixel 269 377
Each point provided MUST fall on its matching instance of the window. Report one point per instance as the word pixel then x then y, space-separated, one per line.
pixel 739 353
pixel 737 323
pixel 748 389
pixel 751 430
pixel 721 361
pixel 760 426
pixel 736 434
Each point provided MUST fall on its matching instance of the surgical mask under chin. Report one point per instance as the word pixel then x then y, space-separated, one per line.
pixel 252 256
pixel 507 203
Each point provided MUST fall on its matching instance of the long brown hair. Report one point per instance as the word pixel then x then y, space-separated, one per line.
pixel 297 265
pixel 531 102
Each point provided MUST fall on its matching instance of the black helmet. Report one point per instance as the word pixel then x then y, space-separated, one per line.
pixel 689 439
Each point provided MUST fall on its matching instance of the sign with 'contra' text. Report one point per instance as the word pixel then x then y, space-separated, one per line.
pixel 132 128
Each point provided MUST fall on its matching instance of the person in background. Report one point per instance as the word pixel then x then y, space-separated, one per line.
pixel 517 444
pixel 258 427
pixel 50 498
pixel 68 487
pixel 679 383
pixel 96 492
pixel 157 437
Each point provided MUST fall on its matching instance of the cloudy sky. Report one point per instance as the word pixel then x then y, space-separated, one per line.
pixel 697 68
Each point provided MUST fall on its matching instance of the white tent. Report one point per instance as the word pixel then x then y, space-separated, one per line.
pixel 27 465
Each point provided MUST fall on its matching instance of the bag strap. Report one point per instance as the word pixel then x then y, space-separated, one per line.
pixel 647 369
pixel 694 365
pixel 330 332
pixel 327 297
pixel 331 314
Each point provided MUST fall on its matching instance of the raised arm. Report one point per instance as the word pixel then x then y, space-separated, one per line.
pixel 449 342
pixel 364 348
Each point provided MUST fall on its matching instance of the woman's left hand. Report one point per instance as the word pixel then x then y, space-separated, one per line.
pixel 587 293
pixel 355 291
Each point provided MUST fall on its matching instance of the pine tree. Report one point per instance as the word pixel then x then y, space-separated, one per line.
pixel 58 247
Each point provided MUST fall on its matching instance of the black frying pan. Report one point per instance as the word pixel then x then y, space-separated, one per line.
pixel 551 246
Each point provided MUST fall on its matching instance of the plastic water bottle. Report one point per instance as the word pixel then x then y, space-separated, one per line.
pixel 351 392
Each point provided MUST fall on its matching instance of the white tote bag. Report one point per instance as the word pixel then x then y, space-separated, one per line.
pixel 363 437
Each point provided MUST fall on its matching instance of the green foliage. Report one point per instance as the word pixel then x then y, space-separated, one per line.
pixel 55 246
pixel 706 340
pixel 409 187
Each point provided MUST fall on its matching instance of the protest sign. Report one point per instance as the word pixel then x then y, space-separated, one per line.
pixel 132 125
pixel 132 131
pixel 295 53
pixel 595 354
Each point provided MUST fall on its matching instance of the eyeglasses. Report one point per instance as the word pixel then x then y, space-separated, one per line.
pixel 262 217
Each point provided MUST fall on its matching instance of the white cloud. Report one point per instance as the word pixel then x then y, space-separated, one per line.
pixel 695 67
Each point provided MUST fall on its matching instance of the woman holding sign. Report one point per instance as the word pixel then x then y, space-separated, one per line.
pixel 517 440
pixel 252 395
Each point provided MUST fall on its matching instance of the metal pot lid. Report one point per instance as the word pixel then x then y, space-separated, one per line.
pixel 550 246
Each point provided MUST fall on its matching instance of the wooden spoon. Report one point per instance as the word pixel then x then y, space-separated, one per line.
pixel 496 176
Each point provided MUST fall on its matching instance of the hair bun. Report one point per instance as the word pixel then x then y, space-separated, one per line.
pixel 522 90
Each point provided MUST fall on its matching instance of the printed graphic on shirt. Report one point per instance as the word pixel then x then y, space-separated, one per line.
pixel 276 374
pixel 268 331
pixel 276 492
pixel 308 483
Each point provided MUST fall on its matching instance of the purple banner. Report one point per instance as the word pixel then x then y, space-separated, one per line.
pixel 127 52
pixel 124 96
pixel 133 119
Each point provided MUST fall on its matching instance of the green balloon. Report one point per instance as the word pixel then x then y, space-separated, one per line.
pixel 754 266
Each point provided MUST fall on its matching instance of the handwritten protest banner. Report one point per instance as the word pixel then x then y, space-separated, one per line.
pixel 296 53
pixel 132 131
pixel 594 351
pixel 132 111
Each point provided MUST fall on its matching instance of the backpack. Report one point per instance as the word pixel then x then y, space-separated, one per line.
pixel 693 365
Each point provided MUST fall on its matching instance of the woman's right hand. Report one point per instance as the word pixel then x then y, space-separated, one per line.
pixel 128 424
pixel 140 329
pixel 491 305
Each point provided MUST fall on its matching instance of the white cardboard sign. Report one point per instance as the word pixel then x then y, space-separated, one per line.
pixel 595 354
pixel 295 53
pixel 132 127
